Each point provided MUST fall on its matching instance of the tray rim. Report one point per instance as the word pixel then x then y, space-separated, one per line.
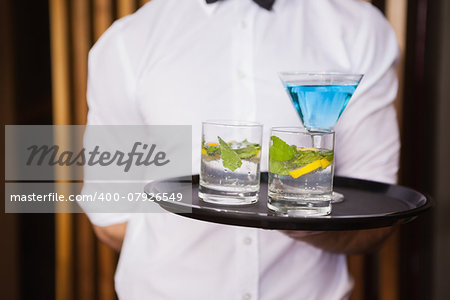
pixel 216 215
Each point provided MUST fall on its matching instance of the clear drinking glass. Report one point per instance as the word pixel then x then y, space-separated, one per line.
pixel 301 169
pixel 230 163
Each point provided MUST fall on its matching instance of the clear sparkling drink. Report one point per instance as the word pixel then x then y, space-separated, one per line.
pixel 301 175
pixel 230 167
pixel 215 176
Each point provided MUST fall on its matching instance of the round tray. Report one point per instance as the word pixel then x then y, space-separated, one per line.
pixel 367 204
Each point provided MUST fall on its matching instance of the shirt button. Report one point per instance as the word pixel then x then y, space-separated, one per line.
pixel 247 240
pixel 243 25
pixel 247 296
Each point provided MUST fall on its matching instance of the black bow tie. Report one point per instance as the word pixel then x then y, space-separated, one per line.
pixel 267 4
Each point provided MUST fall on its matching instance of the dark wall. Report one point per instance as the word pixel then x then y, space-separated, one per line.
pixel 425 150
pixel 27 240
pixel 440 83
pixel 31 42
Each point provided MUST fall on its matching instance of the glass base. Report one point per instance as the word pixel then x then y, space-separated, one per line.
pixel 299 207
pixel 227 197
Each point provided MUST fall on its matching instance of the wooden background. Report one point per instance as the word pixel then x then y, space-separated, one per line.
pixel 85 267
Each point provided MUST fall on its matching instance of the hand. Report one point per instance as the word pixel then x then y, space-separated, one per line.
pixel 346 242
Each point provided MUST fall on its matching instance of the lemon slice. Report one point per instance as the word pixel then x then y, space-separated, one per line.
pixel 308 149
pixel 208 145
pixel 325 163
pixel 306 169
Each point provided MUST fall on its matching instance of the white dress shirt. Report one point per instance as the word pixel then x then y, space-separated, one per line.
pixel 182 62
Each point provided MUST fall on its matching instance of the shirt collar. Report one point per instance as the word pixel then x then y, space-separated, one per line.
pixel 208 8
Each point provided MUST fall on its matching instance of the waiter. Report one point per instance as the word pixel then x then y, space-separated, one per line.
pixel 181 62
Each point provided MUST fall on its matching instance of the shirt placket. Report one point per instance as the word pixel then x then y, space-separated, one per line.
pixel 247 272
pixel 244 108
pixel 243 77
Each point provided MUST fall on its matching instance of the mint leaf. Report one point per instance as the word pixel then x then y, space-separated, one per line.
pixel 328 155
pixel 278 167
pixel 280 151
pixel 212 150
pixel 306 157
pixel 230 159
pixel 249 151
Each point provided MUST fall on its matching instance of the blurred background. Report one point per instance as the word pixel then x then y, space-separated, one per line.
pixel 43 59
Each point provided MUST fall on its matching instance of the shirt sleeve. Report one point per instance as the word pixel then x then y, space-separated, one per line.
pixel 110 96
pixel 367 136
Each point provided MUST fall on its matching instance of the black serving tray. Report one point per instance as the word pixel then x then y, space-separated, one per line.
pixel 367 204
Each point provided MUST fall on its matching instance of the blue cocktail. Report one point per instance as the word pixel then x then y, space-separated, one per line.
pixel 320 98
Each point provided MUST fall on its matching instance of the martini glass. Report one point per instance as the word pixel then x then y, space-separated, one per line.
pixel 320 99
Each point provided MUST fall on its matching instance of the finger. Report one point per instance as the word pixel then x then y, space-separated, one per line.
pixel 300 233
